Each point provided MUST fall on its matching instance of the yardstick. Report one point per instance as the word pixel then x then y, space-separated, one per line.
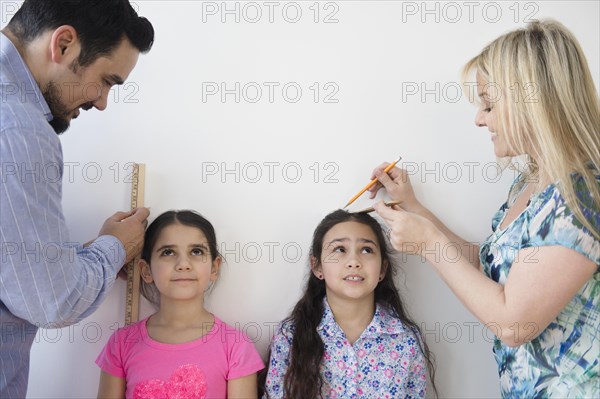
pixel 132 295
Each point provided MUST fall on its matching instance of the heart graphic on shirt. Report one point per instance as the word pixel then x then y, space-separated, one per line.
pixel 186 382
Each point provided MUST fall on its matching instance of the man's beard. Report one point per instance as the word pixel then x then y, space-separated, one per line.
pixel 59 111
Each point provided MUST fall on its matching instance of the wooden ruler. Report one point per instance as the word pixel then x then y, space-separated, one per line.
pixel 132 296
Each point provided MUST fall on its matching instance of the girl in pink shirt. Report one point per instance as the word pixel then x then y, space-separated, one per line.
pixel 181 351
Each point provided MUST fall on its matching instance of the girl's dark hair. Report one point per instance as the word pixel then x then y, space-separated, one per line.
pixel 186 218
pixel 100 24
pixel 303 377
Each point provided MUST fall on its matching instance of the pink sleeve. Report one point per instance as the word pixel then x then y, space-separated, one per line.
pixel 243 357
pixel 110 360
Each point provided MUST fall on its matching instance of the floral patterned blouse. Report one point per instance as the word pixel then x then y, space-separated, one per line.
pixel 385 362
pixel 562 362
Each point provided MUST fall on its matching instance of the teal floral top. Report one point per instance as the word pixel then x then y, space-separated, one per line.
pixel 562 362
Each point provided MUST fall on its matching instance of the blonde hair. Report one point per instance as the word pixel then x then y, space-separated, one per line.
pixel 549 107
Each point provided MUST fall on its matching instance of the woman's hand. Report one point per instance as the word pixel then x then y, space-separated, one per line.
pixel 397 183
pixel 410 233
pixel 414 228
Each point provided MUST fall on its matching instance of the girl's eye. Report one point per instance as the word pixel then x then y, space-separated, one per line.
pixel 339 249
pixel 167 252
pixel 368 250
pixel 488 109
pixel 197 251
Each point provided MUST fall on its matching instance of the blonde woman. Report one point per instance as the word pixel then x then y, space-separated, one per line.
pixel 536 281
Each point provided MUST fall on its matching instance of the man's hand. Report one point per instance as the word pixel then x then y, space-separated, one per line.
pixel 129 228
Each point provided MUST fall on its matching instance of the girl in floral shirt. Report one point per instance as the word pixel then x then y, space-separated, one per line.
pixel 349 335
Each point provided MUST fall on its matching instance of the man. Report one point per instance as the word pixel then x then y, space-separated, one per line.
pixel 56 57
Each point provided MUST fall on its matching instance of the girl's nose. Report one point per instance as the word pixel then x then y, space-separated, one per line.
pixel 183 264
pixel 353 262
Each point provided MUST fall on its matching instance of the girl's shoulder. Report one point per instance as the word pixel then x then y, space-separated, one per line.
pixel 231 335
pixel 385 321
pixel 238 347
pixel 285 329
pixel 220 325
pixel 129 334
pixel 133 328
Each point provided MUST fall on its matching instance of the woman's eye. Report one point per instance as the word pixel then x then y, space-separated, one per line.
pixel 486 106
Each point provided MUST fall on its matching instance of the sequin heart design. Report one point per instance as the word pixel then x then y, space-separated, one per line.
pixel 186 382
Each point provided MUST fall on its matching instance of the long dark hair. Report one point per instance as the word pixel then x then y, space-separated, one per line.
pixel 303 377
pixel 186 218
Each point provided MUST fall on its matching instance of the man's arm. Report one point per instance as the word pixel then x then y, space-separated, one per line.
pixel 47 279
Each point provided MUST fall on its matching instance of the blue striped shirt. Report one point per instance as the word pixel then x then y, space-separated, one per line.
pixel 46 280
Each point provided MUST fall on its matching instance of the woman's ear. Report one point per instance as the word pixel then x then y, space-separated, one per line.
pixel 216 266
pixel 316 268
pixel 145 271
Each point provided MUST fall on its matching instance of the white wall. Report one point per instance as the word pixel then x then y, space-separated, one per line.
pixel 296 161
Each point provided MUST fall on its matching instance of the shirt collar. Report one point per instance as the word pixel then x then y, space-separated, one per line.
pixel 382 323
pixel 22 75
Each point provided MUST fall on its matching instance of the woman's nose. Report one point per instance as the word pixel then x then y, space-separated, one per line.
pixel 480 119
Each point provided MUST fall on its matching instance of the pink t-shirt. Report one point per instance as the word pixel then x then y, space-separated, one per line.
pixel 199 369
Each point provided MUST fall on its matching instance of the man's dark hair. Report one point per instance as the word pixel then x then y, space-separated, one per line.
pixel 100 24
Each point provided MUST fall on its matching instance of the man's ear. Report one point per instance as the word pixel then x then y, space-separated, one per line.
pixel 145 271
pixel 216 266
pixel 64 45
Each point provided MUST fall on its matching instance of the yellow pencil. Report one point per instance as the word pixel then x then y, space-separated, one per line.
pixel 368 186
